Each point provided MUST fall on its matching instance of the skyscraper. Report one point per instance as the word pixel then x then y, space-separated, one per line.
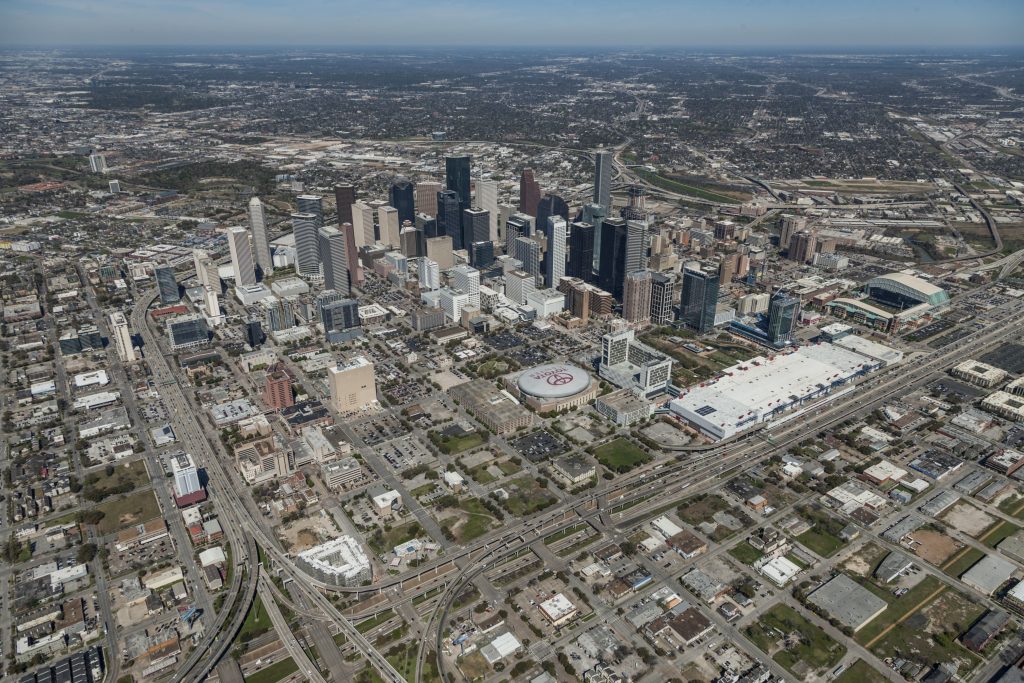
pixel 481 254
pixel 783 311
pixel 311 203
pixel 518 225
pixel 467 280
pixel 449 217
pixel 342 314
pixel 487 199
pixel 581 251
pixel 97 163
pixel 529 193
pixel 355 273
pixel 603 162
pixel 307 252
pixel 388 221
pixel 611 270
pixel 594 214
pixel 353 385
pixel 412 242
pixel 636 208
pixel 551 205
pixel 426 198
pixel 344 198
pixel 331 246
pixel 555 270
pixel 167 284
pixel 254 333
pixel 456 173
pixel 636 298
pixel 429 274
pixel 801 247
pixel 362 225
pixel 699 298
pixel 277 390
pixel 528 252
pixel 122 337
pixel 475 226
pixel 260 237
pixel 662 298
pixel 636 245
pixel 241 256
pixel 403 197
pixel 791 225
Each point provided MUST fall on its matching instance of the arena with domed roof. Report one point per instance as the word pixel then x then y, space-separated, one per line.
pixel 553 387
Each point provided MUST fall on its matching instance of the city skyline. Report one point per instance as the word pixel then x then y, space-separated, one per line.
pixel 737 24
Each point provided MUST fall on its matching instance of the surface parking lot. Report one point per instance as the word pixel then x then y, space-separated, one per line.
pixel 539 446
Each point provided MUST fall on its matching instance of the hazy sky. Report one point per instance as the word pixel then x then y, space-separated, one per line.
pixel 597 23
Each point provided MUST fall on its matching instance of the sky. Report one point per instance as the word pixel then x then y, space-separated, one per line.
pixel 554 23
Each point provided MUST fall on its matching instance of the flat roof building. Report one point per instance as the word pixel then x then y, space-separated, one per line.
pixel 353 385
pixel 848 602
pixel 340 561
pixel 496 409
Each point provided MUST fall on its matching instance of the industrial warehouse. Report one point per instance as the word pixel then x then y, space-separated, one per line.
pixel 762 388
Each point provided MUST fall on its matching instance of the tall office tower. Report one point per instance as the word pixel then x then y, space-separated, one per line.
pixel 801 247
pixel 636 209
pixel 212 305
pixel 186 475
pixel 727 268
pixel 211 274
pixel 411 242
pixel 468 280
pixel 97 163
pixel 475 226
pixel 342 314
pixel 277 389
pixel 611 271
pixel 699 298
pixel 307 248
pixel 403 197
pixel 791 225
pixel 277 313
pixel 518 225
pixel 783 312
pixel 198 256
pixel 594 214
pixel 427 223
pixel 603 167
pixel 387 219
pixel 355 273
pixel 344 198
pixel 456 177
pixel 426 198
pixel 311 203
pixel 334 259
pixel 505 211
pixel 636 297
pixel 528 252
pixel 581 251
pixel 551 205
pixel 663 287
pixel 122 337
pixel 636 245
pixel 362 225
pixel 519 284
pixel 449 217
pixel 260 237
pixel 254 333
pixel 241 256
pixel 481 254
pixel 555 266
pixel 167 284
pixel 439 249
pixel 529 193
pixel 430 274
pixel 487 199
pixel 114 186
pixel 353 385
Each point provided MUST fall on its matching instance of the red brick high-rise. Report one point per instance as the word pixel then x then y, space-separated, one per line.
pixel 277 392
pixel 529 194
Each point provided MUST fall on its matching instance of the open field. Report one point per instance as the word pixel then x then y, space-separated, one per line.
pixel 802 649
pixel 934 547
pixel 621 455
pixel 133 509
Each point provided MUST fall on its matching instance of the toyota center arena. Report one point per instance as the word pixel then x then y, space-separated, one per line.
pixel 553 387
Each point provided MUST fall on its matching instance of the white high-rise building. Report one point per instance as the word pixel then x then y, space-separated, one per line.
pixel 556 251
pixel 452 301
pixel 260 237
pixel 430 274
pixel 198 257
pixel 307 249
pixel 333 259
pixel 186 475
pixel 518 285
pixel 487 199
pixel 241 256
pixel 353 385
pixel 467 279
pixel 212 304
pixel 122 337
pixel 362 224
pixel 97 163
pixel 389 227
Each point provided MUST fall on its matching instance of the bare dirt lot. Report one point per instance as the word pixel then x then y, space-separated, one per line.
pixel 968 519
pixel 933 546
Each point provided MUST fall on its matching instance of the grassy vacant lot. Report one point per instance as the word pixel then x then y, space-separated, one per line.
pixel 376 620
pixel 621 455
pixel 478 521
pixel 457 444
pixel 682 188
pixel 746 553
pixel 257 622
pixel 1013 505
pixel 114 479
pixel 384 541
pixel 962 561
pixel 275 672
pixel 133 509
pixel 529 498
pixel 804 648
pixel 861 672
pixel 997 532
pixel 898 607
pixel 820 542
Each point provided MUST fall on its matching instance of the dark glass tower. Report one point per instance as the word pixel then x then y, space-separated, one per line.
pixel 782 316
pixel 611 274
pixel 699 298
pixel 581 251
pixel 344 197
pixel 551 205
pixel 457 178
pixel 403 198
pixel 449 217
